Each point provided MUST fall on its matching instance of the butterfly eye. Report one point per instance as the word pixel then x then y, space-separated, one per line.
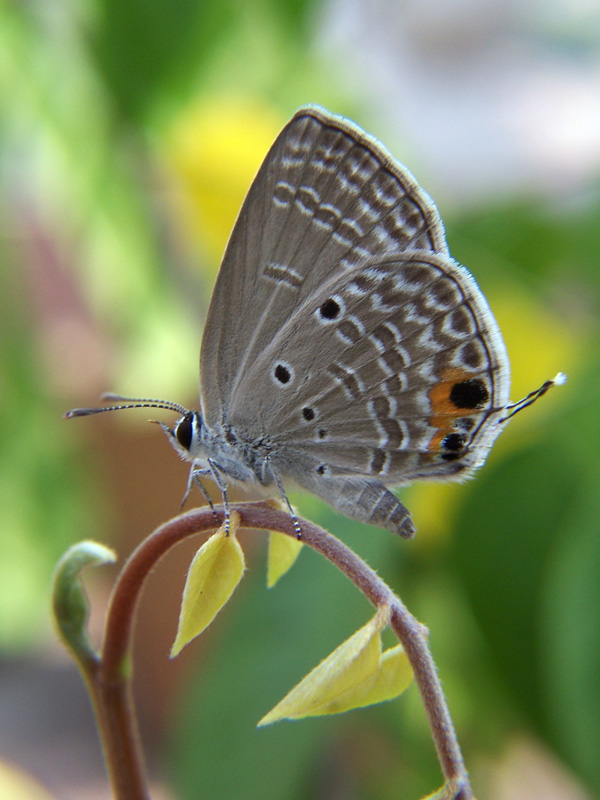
pixel 183 431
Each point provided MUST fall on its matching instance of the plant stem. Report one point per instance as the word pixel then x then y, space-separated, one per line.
pixel 111 683
pixel 121 745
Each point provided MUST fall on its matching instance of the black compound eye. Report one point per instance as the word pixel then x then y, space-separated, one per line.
pixel 183 431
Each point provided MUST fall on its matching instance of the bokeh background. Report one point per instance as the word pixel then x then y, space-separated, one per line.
pixel 129 134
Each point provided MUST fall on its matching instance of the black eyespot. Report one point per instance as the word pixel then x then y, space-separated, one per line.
pixel 322 433
pixel 454 441
pixel 321 469
pixel 282 373
pixel 330 309
pixel 469 394
pixel 450 456
pixel 308 413
pixel 183 431
pixel 453 445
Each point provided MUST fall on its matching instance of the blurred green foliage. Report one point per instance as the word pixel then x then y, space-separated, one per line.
pixel 104 285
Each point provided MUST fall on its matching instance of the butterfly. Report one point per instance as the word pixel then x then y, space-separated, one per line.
pixel 344 351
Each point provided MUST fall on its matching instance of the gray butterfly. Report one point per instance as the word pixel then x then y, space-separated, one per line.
pixel 344 350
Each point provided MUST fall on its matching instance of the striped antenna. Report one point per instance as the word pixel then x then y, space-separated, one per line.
pixel 125 403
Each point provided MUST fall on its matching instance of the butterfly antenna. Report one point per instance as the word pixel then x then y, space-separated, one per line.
pixel 123 403
pixel 514 408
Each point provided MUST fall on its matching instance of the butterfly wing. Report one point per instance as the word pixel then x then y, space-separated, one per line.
pixel 394 371
pixel 326 198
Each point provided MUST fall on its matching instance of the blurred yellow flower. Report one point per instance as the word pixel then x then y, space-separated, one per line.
pixel 214 151
pixel 18 785
pixel 539 343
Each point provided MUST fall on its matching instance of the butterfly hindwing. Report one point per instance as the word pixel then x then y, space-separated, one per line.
pixel 392 370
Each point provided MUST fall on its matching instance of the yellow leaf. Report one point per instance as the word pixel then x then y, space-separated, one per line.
pixel 329 685
pixel 283 552
pixel 452 790
pixel 214 573
pixel 393 677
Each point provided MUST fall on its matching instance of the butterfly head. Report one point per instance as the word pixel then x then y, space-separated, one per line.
pixel 184 436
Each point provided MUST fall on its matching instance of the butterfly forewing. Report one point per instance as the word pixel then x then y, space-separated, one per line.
pixel 326 198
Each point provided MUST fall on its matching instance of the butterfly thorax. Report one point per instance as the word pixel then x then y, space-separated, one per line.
pixel 235 457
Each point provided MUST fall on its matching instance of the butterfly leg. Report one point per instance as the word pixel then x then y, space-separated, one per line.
pixel 193 477
pixel 285 499
pixel 217 475
pixel 196 477
pixel 195 474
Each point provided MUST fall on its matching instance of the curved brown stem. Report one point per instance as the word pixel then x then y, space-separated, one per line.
pixel 117 725
pixel 120 735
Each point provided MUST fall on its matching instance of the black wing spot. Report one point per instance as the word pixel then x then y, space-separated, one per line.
pixel 322 433
pixel 308 413
pixel 330 309
pixel 282 373
pixel 469 394
pixel 453 444
pixel 321 469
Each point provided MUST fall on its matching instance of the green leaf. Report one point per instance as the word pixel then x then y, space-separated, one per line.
pixel 214 573
pixel 570 636
pixel 69 601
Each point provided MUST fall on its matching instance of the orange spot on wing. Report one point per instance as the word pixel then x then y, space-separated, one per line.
pixel 443 410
